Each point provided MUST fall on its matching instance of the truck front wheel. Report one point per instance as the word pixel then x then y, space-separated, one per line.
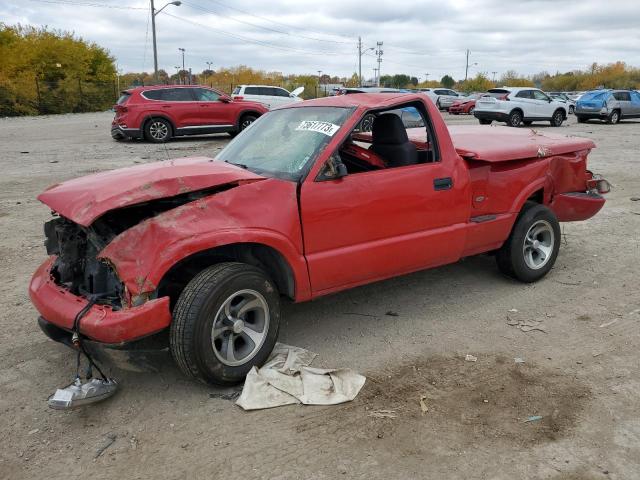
pixel 532 248
pixel 225 322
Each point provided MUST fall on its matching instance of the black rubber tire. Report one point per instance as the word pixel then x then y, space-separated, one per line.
pixel 471 110
pixel 438 104
pixel 527 122
pixel 193 316
pixel 515 118
pixel 147 130
pixel 614 117
pixel 510 257
pixel 484 122
pixel 581 119
pixel 572 109
pixel 557 118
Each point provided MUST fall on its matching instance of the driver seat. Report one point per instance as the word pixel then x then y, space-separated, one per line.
pixel 390 141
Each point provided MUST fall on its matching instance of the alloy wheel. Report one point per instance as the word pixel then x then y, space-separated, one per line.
pixel 158 130
pixel 538 244
pixel 240 327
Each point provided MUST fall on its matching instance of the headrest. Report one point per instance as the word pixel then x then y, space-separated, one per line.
pixel 388 129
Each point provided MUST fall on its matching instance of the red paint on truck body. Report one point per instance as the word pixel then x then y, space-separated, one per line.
pixel 332 234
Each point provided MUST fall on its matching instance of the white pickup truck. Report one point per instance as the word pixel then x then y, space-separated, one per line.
pixel 516 105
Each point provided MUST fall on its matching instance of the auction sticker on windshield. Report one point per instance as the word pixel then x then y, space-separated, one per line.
pixel 327 128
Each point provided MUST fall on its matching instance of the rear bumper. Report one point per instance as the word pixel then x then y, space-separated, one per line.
pixel 575 206
pixel 102 324
pixel 120 133
pixel 587 114
pixel 489 115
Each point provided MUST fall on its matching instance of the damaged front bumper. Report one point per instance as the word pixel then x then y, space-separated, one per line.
pixel 102 323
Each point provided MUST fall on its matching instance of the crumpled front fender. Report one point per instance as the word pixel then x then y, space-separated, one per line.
pixel 262 212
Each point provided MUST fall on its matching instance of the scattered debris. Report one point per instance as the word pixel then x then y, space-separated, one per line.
pixel 485 401
pixel 423 404
pixel 513 310
pixel 24 152
pixel 633 199
pixel 383 414
pixel 526 326
pixel 470 358
pixel 35 430
pixel 567 283
pixel 110 440
pixel 518 360
pixel 608 324
pixel 53 161
pixel 225 395
pixel 533 418
pixel 392 313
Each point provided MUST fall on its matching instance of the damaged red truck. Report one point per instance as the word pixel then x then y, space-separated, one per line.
pixel 196 254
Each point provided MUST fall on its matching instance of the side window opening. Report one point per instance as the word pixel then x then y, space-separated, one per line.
pixel 385 139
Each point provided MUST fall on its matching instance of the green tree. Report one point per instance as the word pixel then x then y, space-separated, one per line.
pixel 447 81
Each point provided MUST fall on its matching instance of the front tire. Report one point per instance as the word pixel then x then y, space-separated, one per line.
pixel 158 130
pixel 225 322
pixel 515 118
pixel 471 110
pixel 532 248
pixel 581 119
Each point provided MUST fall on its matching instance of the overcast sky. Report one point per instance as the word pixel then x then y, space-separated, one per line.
pixel 295 36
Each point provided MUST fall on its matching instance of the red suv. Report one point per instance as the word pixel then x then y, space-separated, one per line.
pixel 160 112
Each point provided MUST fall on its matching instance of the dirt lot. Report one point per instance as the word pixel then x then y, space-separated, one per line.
pixel 580 374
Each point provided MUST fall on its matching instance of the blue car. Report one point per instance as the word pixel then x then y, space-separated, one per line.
pixel 609 105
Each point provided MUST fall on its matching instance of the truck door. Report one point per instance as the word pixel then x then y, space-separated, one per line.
pixel 377 224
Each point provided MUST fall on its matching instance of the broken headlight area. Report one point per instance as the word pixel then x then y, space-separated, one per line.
pixel 77 267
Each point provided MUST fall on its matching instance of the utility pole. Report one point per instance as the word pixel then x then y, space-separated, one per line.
pixel 319 77
pixel 177 73
pixel 360 54
pixel 182 73
pixel 466 68
pixel 426 77
pixel 494 76
pixel 155 12
pixel 379 53
pixel 375 76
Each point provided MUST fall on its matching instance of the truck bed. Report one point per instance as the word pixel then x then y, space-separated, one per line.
pixel 503 144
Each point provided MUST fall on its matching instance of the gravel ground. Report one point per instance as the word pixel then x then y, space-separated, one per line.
pixel 580 374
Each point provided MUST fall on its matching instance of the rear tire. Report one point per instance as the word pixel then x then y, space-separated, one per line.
pixel 614 117
pixel 532 248
pixel 158 130
pixel 557 118
pixel 515 118
pixel 225 322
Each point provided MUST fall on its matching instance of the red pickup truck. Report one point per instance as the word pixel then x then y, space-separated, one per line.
pixel 196 254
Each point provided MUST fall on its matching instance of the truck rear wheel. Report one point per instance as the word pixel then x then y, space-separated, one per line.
pixel 225 322
pixel 532 248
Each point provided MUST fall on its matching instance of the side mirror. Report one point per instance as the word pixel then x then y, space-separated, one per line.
pixel 225 98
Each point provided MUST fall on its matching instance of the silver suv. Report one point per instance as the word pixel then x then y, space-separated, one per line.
pixel 609 105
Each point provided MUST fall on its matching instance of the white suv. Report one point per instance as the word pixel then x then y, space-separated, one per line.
pixel 442 97
pixel 271 97
pixel 516 105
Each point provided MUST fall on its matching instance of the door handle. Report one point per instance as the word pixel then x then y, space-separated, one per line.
pixel 442 183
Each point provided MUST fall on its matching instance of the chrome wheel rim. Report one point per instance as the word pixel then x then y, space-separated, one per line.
pixel 471 110
pixel 515 119
pixel 538 244
pixel 558 119
pixel 240 327
pixel 614 117
pixel 159 130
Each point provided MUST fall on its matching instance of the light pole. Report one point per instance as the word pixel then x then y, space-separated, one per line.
pixel 182 50
pixel 360 53
pixel 177 72
pixel 375 76
pixel 155 12
pixel 208 70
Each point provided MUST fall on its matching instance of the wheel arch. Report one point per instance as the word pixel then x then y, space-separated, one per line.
pixel 244 113
pixel 259 255
pixel 563 110
pixel 149 117
pixel 537 192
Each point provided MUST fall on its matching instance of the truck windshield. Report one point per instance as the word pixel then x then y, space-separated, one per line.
pixel 282 143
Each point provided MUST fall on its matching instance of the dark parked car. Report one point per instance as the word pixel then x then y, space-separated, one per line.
pixel 159 113
pixel 609 105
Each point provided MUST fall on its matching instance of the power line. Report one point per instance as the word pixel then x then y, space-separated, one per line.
pixel 250 40
pixel 88 4
pixel 282 32
pixel 283 24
